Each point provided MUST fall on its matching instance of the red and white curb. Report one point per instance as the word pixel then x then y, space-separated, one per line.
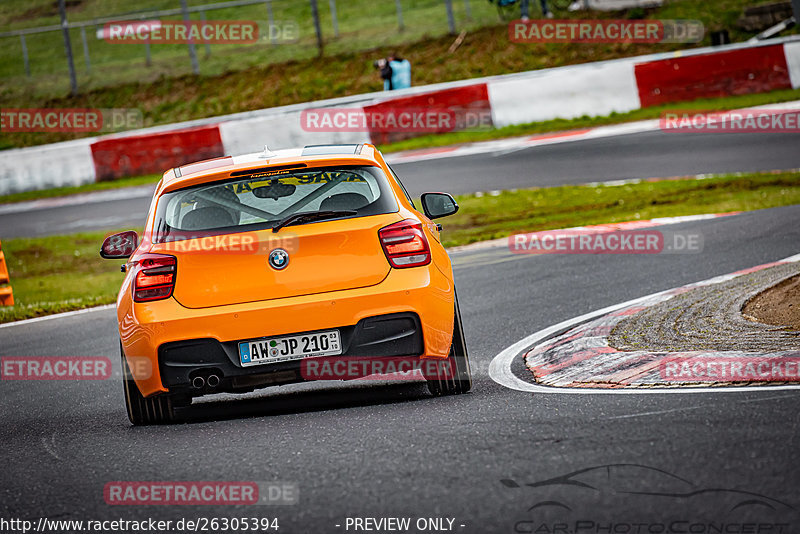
pixel 584 354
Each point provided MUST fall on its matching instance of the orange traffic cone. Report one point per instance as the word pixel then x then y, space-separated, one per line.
pixel 6 294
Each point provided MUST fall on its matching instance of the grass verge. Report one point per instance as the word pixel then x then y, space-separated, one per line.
pixel 57 274
pixel 529 210
pixel 63 273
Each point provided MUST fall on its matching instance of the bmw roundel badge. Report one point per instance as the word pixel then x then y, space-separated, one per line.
pixel 278 259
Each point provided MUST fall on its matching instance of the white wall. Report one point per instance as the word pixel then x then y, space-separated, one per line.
pixel 792 51
pixel 592 89
pixel 47 166
pixel 278 132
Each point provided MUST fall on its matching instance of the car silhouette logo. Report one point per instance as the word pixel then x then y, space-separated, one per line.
pixel 627 481
pixel 278 259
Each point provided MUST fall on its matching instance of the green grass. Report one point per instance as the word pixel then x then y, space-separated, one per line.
pixel 57 274
pixel 62 273
pixel 530 210
pixel 238 78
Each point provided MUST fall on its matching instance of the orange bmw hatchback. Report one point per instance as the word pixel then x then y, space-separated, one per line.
pixel 284 267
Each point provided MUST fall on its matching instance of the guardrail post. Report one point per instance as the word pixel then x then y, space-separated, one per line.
pixel 451 21
pixel 25 55
pixel 148 61
pixel 317 27
pixel 271 17
pixel 192 50
pixel 332 3
pixel 86 51
pixel 208 46
pixel 399 7
pixel 73 82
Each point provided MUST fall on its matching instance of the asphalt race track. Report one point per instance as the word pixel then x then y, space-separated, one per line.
pixel 378 449
pixel 642 155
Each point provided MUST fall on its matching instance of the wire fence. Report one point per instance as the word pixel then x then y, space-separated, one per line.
pixel 79 54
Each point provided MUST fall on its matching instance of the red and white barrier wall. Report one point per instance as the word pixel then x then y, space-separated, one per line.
pixel 592 89
pixel 135 155
pixel 46 166
pixel 597 89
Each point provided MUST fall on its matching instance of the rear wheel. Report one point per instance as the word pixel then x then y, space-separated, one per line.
pixel 453 376
pixel 144 411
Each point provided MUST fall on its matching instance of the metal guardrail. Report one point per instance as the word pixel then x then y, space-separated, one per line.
pixel 138 16
pixel 185 11
pixel 82 25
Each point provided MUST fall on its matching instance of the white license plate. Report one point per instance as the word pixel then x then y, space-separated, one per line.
pixel 287 348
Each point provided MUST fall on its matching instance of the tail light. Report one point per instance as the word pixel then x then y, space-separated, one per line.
pixel 154 277
pixel 405 244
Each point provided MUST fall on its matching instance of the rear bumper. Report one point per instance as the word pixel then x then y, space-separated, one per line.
pixel 384 336
pixel 176 341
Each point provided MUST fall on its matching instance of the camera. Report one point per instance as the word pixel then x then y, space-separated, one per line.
pixel 379 63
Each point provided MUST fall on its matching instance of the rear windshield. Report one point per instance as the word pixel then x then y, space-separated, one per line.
pixel 263 199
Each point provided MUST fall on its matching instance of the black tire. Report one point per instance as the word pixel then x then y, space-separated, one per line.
pixel 154 410
pixel 454 375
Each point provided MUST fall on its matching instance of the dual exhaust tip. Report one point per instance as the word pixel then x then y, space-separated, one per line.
pixel 200 382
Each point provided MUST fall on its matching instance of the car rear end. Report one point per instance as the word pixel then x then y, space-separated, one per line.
pixel 221 298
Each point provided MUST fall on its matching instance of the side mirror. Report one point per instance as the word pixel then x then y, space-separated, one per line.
pixel 119 246
pixel 437 205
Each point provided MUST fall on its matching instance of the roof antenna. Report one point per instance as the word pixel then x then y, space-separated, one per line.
pixel 267 153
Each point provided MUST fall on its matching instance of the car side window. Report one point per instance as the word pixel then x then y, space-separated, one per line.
pixel 403 187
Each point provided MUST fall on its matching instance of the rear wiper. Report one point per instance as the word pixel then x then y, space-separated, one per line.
pixel 308 216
